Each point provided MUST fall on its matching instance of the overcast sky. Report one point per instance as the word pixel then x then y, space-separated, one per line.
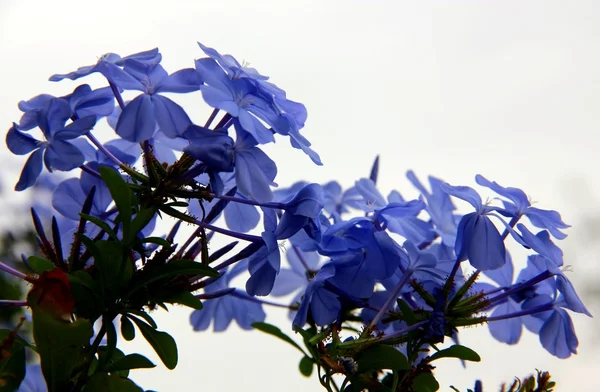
pixel 507 89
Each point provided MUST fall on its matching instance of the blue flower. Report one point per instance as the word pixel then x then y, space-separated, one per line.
pixel 213 148
pixel 509 330
pixel 477 239
pixel 34 380
pixel 295 279
pixel 56 151
pixel 285 116
pixel 108 65
pixel 83 102
pixel 237 97
pixel 265 263
pixel 542 244
pixel 323 305
pixel 227 308
pixel 254 170
pixel 439 206
pixel 401 218
pixel 163 147
pixel 141 116
pixel 302 211
pixel 263 99
pixel 519 205
pixel 70 194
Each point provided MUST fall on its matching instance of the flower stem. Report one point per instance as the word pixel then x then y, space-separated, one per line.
pixel 390 300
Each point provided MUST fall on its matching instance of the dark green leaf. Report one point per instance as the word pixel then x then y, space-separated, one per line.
pixel 106 359
pixel 177 214
pixel 425 382
pixel 111 352
pixel 163 344
pixel 157 240
pixel 128 362
pixel 127 329
pixel 121 194
pixel 114 271
pixel 177 204
pixel 140 221
pixel 101 224
pixel 408 315
pixel 273 330
pixel 61 346
pixel 142 314
pixel 176 268
pixel 88 299
pixel 185 298
pixel 306 366
pixel 39 265
pixel 379 357
pixel 102 382
pixel 456 351
pixel 12 361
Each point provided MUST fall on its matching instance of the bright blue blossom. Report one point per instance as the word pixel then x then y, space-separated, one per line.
pixel 302 211
pixel 477 238
pixel 248 95
pixel 323 305
pixel 34 380
pixel 265 263
pixel 56 151
pixel 439 206
pixel 108 65
pixel 519 205
pixel 151 111
pixel 227 308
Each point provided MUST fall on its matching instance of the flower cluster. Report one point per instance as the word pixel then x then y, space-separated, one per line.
pixel 376 271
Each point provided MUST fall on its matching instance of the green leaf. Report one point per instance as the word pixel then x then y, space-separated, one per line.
pixel 456 351
pixel 177 214
pixel 121 194
pixel 157 241
pixel 408 315
pixel 163 344
pixel 128 362
pixel 176 268
pixel 185 298
pixel 306 366
pixel 115 355
pixel 177 204
pixel 39 265
pixel 88 299
pixel 273 330
pixel 140 221
pixel 114 271
pixel 12 361
pixel 61 346
pixel 102 382
pixel 142 314
pixel 379 357
pixel 127 329
pixel 101 224
pixel 111 352
pixel 425 382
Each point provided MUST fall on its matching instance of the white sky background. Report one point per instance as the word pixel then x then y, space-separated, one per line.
pixel 505 89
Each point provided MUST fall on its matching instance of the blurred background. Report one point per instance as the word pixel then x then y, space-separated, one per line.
pixel 509 89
